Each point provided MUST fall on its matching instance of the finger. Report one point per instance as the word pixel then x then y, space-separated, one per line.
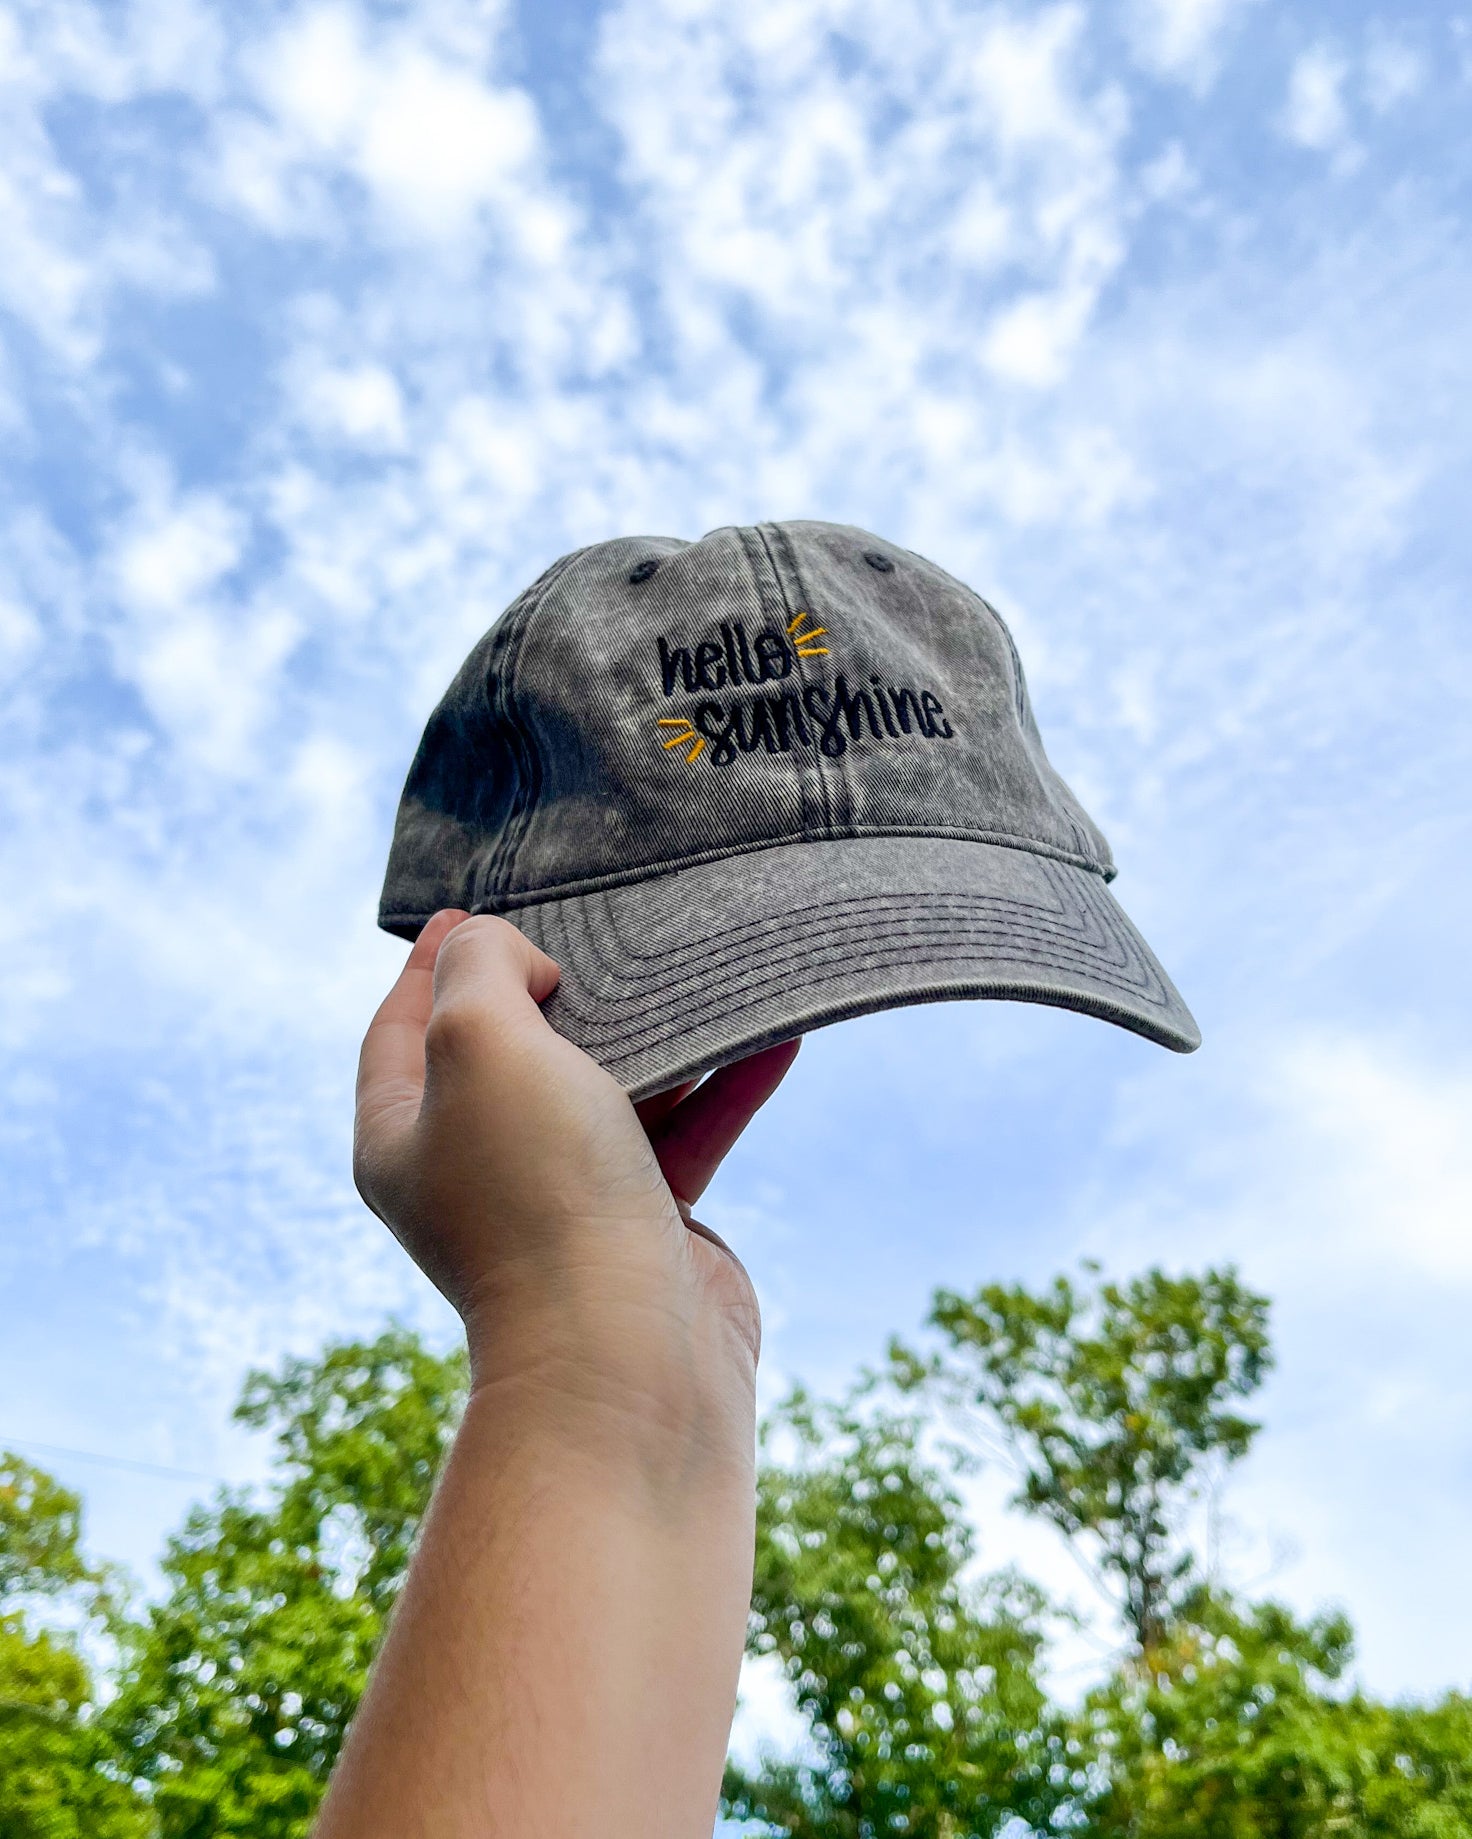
pixel 487 972
pixel 393 1048
pixel 651 1110
pixel 692 1141
pixel 391 1063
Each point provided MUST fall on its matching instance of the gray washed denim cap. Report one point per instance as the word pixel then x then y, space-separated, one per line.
pixel 745 787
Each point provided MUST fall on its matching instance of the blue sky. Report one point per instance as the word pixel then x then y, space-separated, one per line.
pixel 325 327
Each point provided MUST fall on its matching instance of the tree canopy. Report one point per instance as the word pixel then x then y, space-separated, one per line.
pixel 219 1708
pixel 919 1690
pixel 61 1777
pixel 237 1688
pixel 1113 1399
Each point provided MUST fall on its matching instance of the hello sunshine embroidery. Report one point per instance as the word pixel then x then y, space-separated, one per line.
pixel 779 719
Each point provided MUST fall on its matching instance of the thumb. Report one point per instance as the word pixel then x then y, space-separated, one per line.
pixel 391 1065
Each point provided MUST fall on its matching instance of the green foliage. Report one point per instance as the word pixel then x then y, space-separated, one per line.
pixel 361 1431
pixel 59 1776
pixel 1236 1732
pixel 239 1686
pixel 1416 1768
pixel 1113 1400
pixel 40 1533
pixel 918 1686
pixel 919 1691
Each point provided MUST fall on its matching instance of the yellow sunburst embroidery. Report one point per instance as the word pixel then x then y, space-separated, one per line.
pixel 803 641
pixel 687 733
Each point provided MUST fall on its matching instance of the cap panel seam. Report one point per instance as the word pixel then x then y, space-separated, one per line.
pixel 653 871
pixel 500 865
pixel 812 789
pixel 831 818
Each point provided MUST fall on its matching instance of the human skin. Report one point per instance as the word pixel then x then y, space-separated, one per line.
pixel 564 1657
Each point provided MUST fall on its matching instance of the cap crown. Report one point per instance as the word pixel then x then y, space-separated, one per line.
pixel 651 703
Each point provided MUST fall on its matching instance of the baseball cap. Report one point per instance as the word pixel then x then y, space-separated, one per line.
pixel 748 786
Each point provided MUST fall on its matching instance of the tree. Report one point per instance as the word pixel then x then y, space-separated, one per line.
pixel 40 1534
pixel 1238 1732
pixel 60 1778
pixel 918 1682
pixel 1226 1720
pixel 1114 1400
pixel 238 1688
pixel 919 1690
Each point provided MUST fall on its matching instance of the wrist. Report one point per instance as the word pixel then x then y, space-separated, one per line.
pixel 570 1636
pixel 656 1394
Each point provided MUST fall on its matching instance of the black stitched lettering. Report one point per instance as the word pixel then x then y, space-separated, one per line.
pixel 786 716
pixel 932 708
pixel 748 669
pixel 830 740
pixel 814 716
pixel 773 657
pixel 902 714
pixel 850 707
pixel 883 701
pixel 708 659
pixel 710 719
pixel 675 664
pixel 760 733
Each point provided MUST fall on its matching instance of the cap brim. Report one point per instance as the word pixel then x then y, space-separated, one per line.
pixel 670 977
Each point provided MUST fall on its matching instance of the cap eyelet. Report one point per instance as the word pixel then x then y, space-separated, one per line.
pixel 882 563
pixel 645 569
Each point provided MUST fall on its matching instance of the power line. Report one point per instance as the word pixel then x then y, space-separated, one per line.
pixel 113 1462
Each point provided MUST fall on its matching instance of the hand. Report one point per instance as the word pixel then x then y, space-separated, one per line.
pixel 553 1213
pixel 565 1653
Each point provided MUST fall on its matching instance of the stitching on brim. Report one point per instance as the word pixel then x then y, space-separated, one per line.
pixel 915 936
pixel 904 900
pixel 625 1043
pixel 649 1068
pixel 1104 913
pixel 1150 992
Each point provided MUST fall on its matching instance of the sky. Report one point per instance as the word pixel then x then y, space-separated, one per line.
pixel 326 326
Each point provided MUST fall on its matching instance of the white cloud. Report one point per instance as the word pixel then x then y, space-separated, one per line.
pixel 427 136
pixel 66 253
pixel 114 53
pixel 204 665
pixel 45 278
pixel 1031 340
pixel 174 552
pixel 1314 114
pixel 830 224
pixel 1182 38
pixel 20 634
pixel 1393 72
pixel 361 405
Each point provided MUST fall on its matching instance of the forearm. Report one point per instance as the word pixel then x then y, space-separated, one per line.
pixel 564 1658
